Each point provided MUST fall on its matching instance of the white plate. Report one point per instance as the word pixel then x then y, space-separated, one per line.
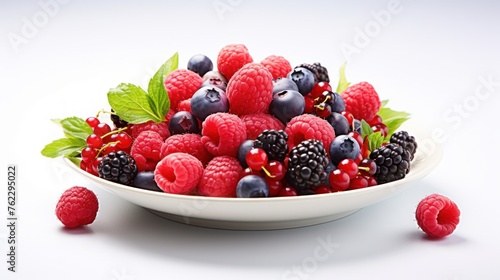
pixel 276 212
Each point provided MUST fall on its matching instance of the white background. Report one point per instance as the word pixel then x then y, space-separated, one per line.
pixel 58 59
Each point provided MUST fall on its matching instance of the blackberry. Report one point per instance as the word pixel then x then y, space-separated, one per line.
pixel 119 123
pixel 118 167
pixel 274 142
pixel 319 71
pixel 406 141
pixel 307 166
pixel 393 163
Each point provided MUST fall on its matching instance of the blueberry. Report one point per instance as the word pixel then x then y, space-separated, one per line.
pixel 342 147
pixel 243 149
pixel 303 78
pixel 215 78
pixel 252 186
pixel 336 102
pixel 282 84
pixel 146 180
pixel 339 123
pixel 183 122
pixel 287 104
pixel 356 126
pixel 208 100
pixel 200 64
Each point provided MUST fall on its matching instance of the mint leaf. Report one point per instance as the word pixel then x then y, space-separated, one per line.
pixel 392 119
pixel 157 95
pixel 132 104
pixel 366 129
pixel 64 147
pixel 343 83
pixel 375 141
pixel 74 127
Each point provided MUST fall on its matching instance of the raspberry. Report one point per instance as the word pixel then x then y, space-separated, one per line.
pixel 222 134
pixel 77 206
pixel 309 126
pixel 437 215
pixel 160 128
pixel 220 177
pixel 256 123
pixel 361 100
pixel 178 173
pixel 231 58
pixel 181 84
pixel 250 90
pixel 146 150
pixel 278 66
pixel 186 143
pixel 185 105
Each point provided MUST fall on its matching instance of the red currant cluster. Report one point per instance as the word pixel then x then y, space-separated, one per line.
pixel 351 175
pixel 273 172
pixel 101 142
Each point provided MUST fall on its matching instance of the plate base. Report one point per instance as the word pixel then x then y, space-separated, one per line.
pixel 250 225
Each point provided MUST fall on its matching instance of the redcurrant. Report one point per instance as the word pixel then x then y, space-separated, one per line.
pixel 339 180
pixel 256 158
pixel 94 141
pixel 349 166
pixel 275 169
pixel 92 121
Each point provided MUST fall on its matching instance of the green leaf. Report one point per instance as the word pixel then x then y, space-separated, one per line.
pixel 375 141
pixel 343 83
pixel 384 102
pixel 64 147
pixel 392 119
pixel 74 127
pixel 366 129
pixel 157 95
pixel 132 104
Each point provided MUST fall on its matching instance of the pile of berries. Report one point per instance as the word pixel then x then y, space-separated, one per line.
pixel 252 129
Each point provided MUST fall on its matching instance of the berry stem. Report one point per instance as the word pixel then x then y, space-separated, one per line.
pixel 116 131
pixel 268 174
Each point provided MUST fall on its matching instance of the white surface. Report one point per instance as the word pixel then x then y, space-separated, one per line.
pixel 270 213
pixel 431 59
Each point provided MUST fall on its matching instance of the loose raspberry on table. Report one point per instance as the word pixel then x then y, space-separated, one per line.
pixel 250 91
pixel 160 128
pixel 220 177
pixel 308 126
pixel 180 85
pixel 222 134
pixel 186 143
pixel 146 150
pixel 256 123
pixel 77 206
pixel 437 215
pixel 278 66
pixel 362 101
pixel 178 173
pixel 232 58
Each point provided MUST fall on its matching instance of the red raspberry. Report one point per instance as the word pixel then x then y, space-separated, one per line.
pixel 146 150
pixel 222 134
pixel 160 128
pixel 277 65
pixel 186 143
pixel 184 105
pixel 231 58
pixel 180 85
pixel 178 173
pixel 308 126
pixel 256 123
pixel 437 215
pixel 250 90
pixel 362 101
pixel 220 177
pixel 77 207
